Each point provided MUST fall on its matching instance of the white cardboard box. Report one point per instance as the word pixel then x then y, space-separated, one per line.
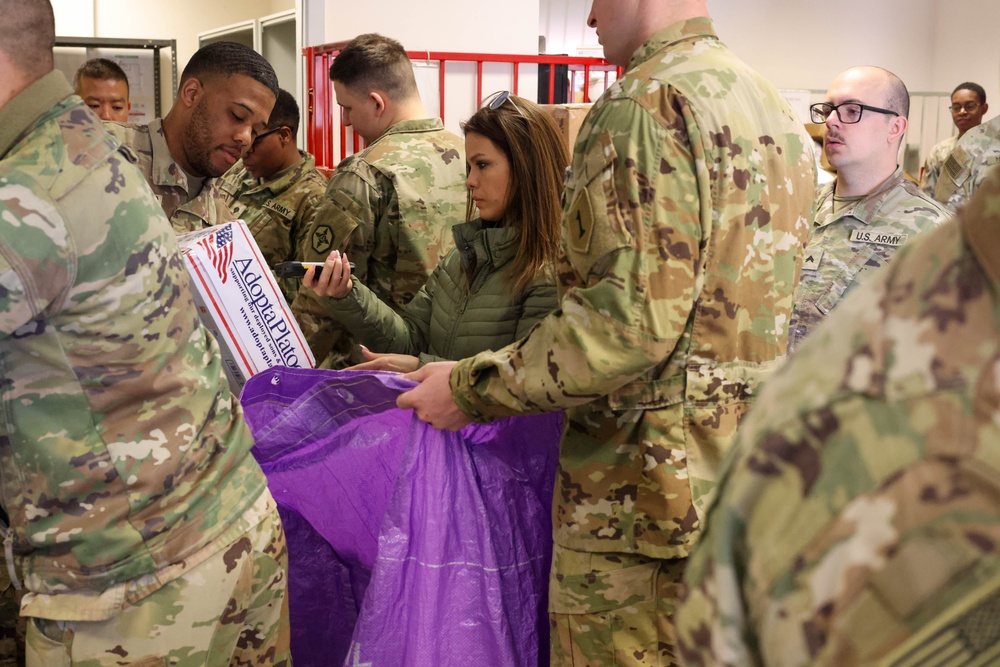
pixel 240 303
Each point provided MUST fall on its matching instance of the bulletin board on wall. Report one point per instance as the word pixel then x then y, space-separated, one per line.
pixel 141 59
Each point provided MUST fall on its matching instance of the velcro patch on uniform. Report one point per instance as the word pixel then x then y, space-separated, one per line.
pixel 968 634
pixel 283 211
pixel 812 260
pixel 580 223
pixel 322 239
pixel 878 237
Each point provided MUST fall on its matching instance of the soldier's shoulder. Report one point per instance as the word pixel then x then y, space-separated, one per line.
pixel 910 202
pixel 130 134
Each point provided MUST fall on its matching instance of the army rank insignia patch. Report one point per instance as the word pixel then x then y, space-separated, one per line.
pixel 812 260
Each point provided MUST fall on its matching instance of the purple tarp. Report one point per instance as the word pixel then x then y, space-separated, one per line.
pixel 407 545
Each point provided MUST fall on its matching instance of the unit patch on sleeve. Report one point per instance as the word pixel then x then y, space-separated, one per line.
pixel 580 223
pixel 322 239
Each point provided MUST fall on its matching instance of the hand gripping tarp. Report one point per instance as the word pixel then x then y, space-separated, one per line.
pixel 407 545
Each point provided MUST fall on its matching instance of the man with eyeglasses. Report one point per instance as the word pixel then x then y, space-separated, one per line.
pixel 224 98
pixel 390 206
pixel 869 210
pixel 276 190
pixel 968 106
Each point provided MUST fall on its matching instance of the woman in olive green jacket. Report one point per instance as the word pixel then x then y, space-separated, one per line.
pixel 499 279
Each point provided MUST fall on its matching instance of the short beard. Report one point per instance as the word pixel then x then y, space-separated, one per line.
pixel 198 142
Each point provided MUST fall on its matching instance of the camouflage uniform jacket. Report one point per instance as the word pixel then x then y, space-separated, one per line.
pixel 932 165
pixel 188 211
pixel 465 307
pixel 846 247
pixel 122 451
pixel 966 167
pixel 391 208
pixel 683 224
pixel 859 519
pixel 279 211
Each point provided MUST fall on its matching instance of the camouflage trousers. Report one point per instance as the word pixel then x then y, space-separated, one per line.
pixel 12 624
pixel 612 609
pixel 230 609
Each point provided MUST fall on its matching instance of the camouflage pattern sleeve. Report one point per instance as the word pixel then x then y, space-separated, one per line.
pixel 858 522
pixel 931 170
pixel 113 392
pixel 967 165
pixel 343 220
pixel 391 208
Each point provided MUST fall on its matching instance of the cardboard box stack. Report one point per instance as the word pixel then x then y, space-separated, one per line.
pixel 568 117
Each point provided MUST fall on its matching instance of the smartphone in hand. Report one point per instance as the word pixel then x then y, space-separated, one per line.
pixel 298 269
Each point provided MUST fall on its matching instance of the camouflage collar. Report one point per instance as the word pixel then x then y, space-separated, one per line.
pixel 864 210
pixel 411 126
pixel 165 170
pixel 283 179
pixel 22 112
pixel 980 220
pixel 700 26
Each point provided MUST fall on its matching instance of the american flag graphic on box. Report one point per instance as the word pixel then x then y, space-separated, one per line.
pixel 219 247
pixel 239 301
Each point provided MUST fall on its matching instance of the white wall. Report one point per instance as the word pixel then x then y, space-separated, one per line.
pixel 932 45
pixel 967 46
pixel 478 26
pixel 154 19
pixel 181 19
pixel 464 26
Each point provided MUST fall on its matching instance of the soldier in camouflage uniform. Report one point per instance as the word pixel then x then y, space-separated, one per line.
pixel 869 210
pixel 140 525
pixel 931 170
pixel 277 190
pixel 858 522
pixel 223 101
pixel 391 207
pixel 968 164
pixel 683 223
pixel 968 106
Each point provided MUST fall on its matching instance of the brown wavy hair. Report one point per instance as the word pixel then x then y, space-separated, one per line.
pixel 538 158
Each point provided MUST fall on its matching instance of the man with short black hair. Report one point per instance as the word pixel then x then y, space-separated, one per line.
pixel 968 106
pixel 869 210
pixel 391 206
pixel 224 99
pixel 277 190
pixel 103 85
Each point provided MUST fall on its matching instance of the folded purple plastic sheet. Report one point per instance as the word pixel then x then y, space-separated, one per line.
pixel 407 545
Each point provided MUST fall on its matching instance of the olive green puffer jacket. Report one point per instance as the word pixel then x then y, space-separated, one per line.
pixel 452 317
